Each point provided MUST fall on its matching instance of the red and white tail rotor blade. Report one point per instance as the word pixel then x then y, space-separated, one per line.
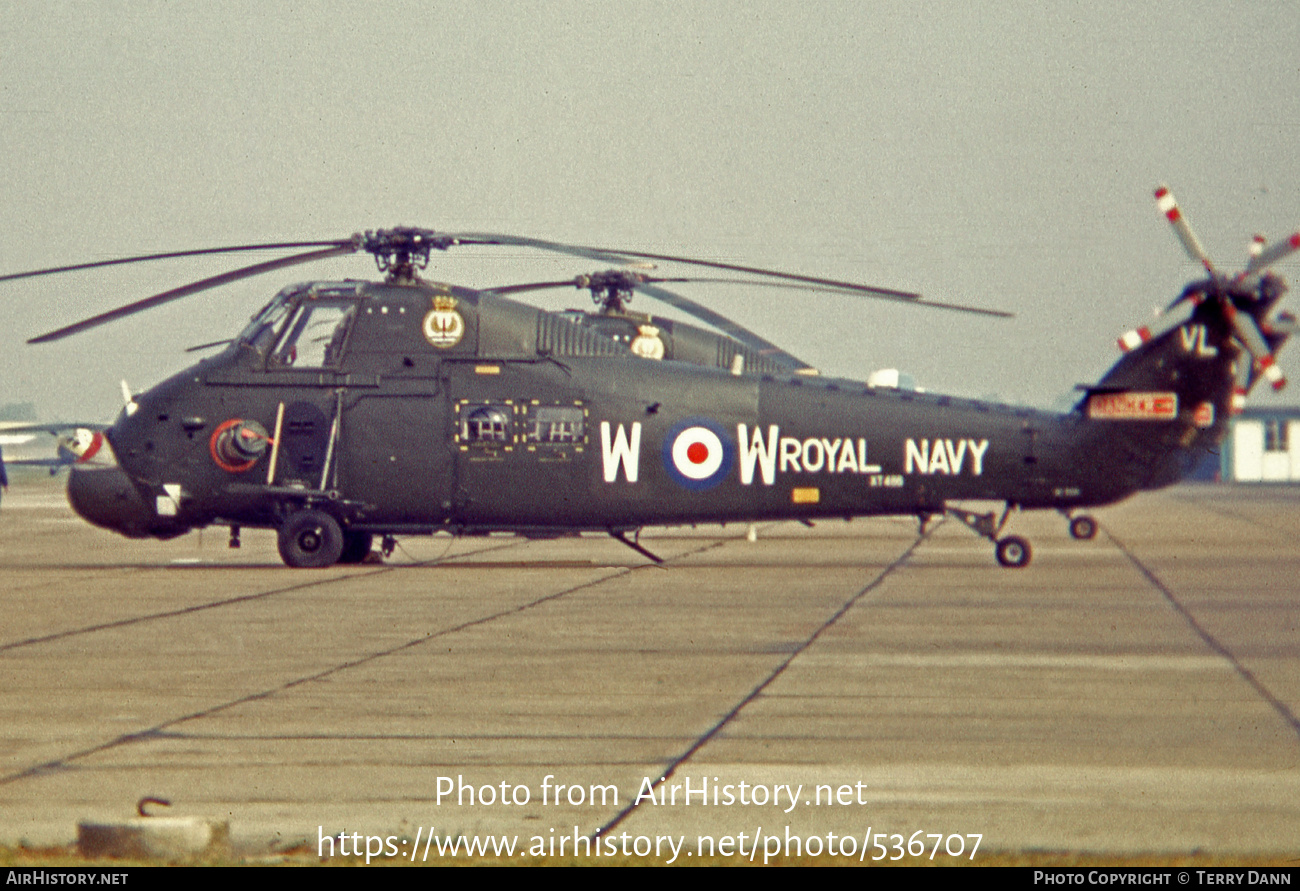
pixel 1256 247
pixel 1268 368
pixel 1249 334
pixel 1131 340
pixel 1165 322
pixel 1284 323
pixel 1271 254
pixel 1169 207
pixel 1241 386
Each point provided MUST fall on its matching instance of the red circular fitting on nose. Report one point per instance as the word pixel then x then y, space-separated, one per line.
pixel 223 450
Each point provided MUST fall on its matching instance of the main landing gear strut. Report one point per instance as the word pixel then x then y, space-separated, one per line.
pixel 1012 551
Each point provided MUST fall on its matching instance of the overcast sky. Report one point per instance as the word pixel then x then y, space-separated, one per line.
pixel 998 154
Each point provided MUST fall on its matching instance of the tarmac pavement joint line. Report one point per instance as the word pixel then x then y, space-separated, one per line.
pixel 160 729
pixel 227 601
pixel 1242 671
pixel 766 682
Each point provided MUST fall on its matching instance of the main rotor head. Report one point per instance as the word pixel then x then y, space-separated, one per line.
pixel 400 251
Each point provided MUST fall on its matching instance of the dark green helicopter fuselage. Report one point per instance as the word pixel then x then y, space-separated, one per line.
pixel 411 408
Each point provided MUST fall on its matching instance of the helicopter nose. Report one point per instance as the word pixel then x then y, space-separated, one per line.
pixel 106 497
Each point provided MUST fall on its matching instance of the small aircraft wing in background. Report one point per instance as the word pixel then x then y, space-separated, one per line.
pixel 72 442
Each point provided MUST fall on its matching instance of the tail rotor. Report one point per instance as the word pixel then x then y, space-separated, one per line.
pixel 1244 300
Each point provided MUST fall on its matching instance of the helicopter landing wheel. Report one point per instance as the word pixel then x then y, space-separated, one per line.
pixel 1083 527
pixel 310 539
pixel 1013 552
pixel 356 546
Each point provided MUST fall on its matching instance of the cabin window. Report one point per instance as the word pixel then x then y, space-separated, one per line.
pixel 316 336
pixel 556 425
pixel 485 423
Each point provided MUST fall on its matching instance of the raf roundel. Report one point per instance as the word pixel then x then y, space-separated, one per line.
pixel 697 455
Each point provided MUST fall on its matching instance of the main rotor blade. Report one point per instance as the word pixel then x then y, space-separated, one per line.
pixel 583 281
pixel 647 285
pixel 534 286
pixel 338 249
pixel 600 255
pixel 356 242
pixel 198 348
pixel 141 258
pixel 823 289
pixel 722 323
pixel 1169 207
pixel 616 255
pixel 885 293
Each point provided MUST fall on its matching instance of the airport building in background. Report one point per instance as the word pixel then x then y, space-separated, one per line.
pixel 1263 446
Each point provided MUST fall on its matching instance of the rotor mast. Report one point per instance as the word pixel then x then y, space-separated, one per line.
pixel 401 252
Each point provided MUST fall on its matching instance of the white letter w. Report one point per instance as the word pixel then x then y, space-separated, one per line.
pixel 755 450
pixel 621 451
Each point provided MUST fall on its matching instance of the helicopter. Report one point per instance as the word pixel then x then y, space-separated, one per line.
pixel 350 410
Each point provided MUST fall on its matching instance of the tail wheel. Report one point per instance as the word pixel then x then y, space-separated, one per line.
pixel 1083 528
pixel 1013 552
pixel 310 539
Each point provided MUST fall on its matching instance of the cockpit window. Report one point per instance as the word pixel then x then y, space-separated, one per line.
pixel 316 336
pixel 261 331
